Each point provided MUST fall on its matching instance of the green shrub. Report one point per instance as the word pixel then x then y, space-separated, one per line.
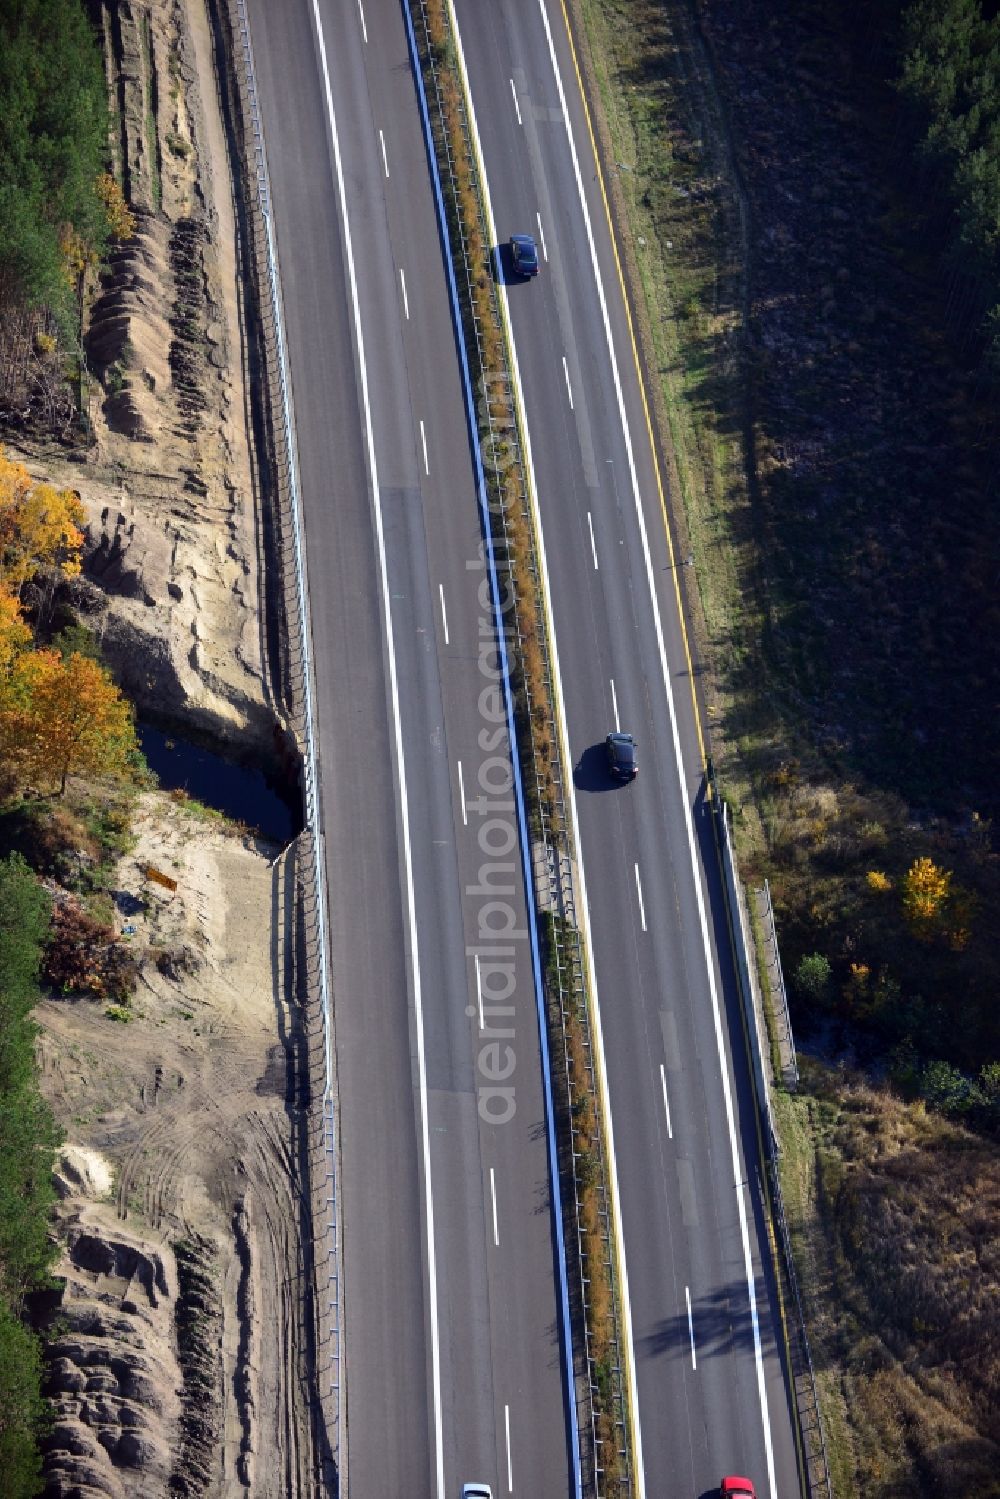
pixel 812 977
pixel 76 639
pixel 946 1089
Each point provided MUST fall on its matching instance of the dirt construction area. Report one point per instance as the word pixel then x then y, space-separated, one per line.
pixel 183 1358
pixel 182 1364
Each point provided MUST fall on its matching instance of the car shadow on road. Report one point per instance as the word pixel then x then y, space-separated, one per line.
pixel 722 1324
pixel 502 263
pixel 590 773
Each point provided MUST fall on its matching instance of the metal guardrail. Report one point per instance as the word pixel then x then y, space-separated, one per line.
pixel 818 1479
pixel 553 824
pixel 492 437
pixel 782 1019
pixel 803 1375
pixel 315 901
pixel 744 968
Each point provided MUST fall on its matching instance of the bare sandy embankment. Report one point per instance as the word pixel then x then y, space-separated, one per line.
pixel 180 1209
pixel 181 1360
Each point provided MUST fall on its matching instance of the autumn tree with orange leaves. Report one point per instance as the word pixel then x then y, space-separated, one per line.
pixel 14 633
pixel 926 889
pixel 40 526
pixel 60 718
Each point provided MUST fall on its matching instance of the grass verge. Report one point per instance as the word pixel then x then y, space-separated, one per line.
pixel 774 294
pixel 892 1213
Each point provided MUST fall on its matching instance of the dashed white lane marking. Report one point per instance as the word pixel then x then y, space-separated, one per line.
pixel 666 1101
pixel 385 159
pixel 493 1195
pixel 614 703
pixel 694 1356
pixel 400 766
pixel 699 898
pixel 510 1470
pixel 406 300
pixel 423 439
pixel 642 908
pixel 461 793
pixel 479 994
pixel 569 388
pixel 444 614
pixel 517 106
pixel 593 544
pixel 541 235
pixel 364 28
pixel 633 1401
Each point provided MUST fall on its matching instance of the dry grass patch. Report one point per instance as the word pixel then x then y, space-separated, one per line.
pixel 894 1216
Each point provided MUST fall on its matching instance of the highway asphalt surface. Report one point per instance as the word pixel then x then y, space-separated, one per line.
pixel 454 1367
pixel 712 1389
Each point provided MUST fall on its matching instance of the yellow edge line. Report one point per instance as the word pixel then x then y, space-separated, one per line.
pixel 566 770
pixel 521 425
pixel 687 655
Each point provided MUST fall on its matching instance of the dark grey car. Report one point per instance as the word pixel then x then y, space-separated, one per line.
pixel 523 255
pixel 623 764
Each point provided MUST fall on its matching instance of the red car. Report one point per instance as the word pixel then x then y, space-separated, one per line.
pixel 737 1488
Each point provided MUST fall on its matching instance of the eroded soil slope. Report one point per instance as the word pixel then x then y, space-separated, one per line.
pixel 174 561
pixel 181 1358
pixel 182 1364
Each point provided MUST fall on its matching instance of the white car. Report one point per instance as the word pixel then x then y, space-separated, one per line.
pixel 476 1491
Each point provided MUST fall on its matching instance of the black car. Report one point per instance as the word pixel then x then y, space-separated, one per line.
pixel 523 255
pixel 622 762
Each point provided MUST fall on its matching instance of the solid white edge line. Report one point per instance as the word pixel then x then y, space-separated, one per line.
pixel 614 704
pixel 444 614
pixel 609 1135
pixel 364 28
pixel 716 1014
pixel 493 1197
pixel 642 906
pixel 510 1470
pixel 593 543
pixel 461 793
pixel 385 159
pixel 694 1356
pixel 423 439
pixel 406 300
pixel 517 107
pixel 666 1102
pixel 479 993
pixel 541 235
pixel 569 388
pixel 400 774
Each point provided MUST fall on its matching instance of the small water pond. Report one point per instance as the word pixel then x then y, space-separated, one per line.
pixel 246 795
